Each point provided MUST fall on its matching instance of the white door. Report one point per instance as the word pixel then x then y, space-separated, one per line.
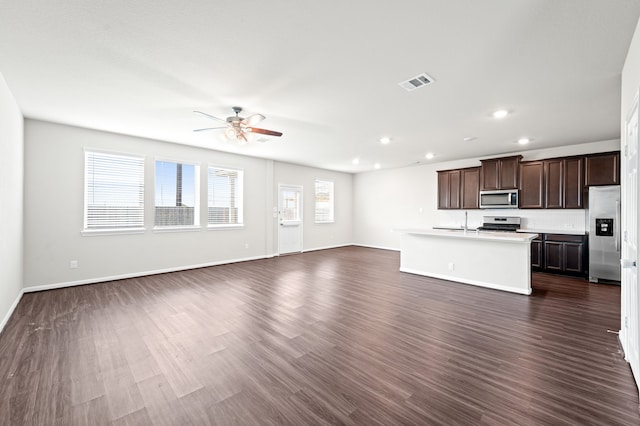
pixel 629 333
pixel 289 219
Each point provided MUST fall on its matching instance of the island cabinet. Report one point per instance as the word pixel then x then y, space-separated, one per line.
pixel 559 254
pixel 459 188
pixel 602 169
pixel 500 173
pixel 498 260
pixel 552 184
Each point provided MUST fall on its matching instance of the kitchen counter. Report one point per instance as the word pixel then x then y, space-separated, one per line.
pixel 514 237
pixel 551 231
pixel 497 260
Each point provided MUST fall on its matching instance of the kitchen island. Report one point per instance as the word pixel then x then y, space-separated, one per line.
pixel 497 260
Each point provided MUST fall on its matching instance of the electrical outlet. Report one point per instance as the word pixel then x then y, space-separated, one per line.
pixel 246 245
pixel 73 264
pixel 452 266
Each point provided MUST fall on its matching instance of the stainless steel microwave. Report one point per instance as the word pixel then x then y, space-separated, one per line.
pixel 500 199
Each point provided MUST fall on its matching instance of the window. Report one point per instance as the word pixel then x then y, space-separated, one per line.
pixel 324 201
pixel 114 191
pixel 290 204
pixel 176 200
pixel 225 197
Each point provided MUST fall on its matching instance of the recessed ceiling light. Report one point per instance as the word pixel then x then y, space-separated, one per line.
pixel 523 141
pixel 376 166
pixel 355 161
pixel 385 140
pixel 501 113
pixel 468 138
pixel 429 155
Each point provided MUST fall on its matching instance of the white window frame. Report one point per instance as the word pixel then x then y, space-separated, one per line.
pixel 196 208
pixel 239 198
pixel 89 230
pixel 332 212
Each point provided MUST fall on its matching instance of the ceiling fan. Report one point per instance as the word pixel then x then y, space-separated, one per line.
pixel 237 127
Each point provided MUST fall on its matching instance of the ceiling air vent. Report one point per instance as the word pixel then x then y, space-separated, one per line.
pixel 420 80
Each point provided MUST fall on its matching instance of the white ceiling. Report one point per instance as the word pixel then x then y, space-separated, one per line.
pixel 326 73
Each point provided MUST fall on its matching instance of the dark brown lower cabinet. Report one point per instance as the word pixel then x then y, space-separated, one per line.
pixel 573 257
pixel 560 253
pixel 536 254
pixel 553 257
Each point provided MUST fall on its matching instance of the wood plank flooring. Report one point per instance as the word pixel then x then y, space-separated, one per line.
pixel 330 337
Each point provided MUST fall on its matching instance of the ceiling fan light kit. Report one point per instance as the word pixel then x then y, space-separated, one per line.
pixel 239 128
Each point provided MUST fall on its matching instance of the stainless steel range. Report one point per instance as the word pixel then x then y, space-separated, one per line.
pixel 500 223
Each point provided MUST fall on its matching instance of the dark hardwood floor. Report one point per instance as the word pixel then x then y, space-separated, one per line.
pixel 329 337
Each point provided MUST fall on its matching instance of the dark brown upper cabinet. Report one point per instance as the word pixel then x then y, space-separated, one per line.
pixel 532 185
pixel 552 184
pixel 471 188
pixel 573 183
pixel 500 173
pixel 602 169
pixel 449 189
pixel 459 188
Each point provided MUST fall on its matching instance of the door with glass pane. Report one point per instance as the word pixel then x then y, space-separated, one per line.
pixel 289 219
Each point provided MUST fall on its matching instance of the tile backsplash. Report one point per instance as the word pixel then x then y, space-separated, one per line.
pixel 546 219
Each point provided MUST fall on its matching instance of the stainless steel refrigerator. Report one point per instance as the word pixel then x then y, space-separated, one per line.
pixel 604 233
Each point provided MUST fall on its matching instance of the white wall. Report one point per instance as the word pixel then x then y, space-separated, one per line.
pixel 319 235
pixel 11 206
pixel 54 179
pixel 630 76
pixel 407 197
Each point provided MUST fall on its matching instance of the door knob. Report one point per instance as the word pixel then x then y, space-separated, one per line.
pixel 626 263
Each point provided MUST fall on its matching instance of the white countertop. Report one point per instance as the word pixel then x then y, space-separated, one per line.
pixel 513 237
pixel 521 230
pixel 551 231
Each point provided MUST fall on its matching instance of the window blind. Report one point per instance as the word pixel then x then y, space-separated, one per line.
pixel 114 191
pixel 225 188
pixel 324 201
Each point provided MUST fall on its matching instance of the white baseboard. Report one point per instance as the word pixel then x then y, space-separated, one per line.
pixel 467 281
pixel 327 247
pixel 12 308
pixel 54 286
pixel 377 247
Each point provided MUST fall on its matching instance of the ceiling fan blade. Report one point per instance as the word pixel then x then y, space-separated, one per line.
pixel 263 131
pixel 253 119
pixel 210 116
pixel 209 128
